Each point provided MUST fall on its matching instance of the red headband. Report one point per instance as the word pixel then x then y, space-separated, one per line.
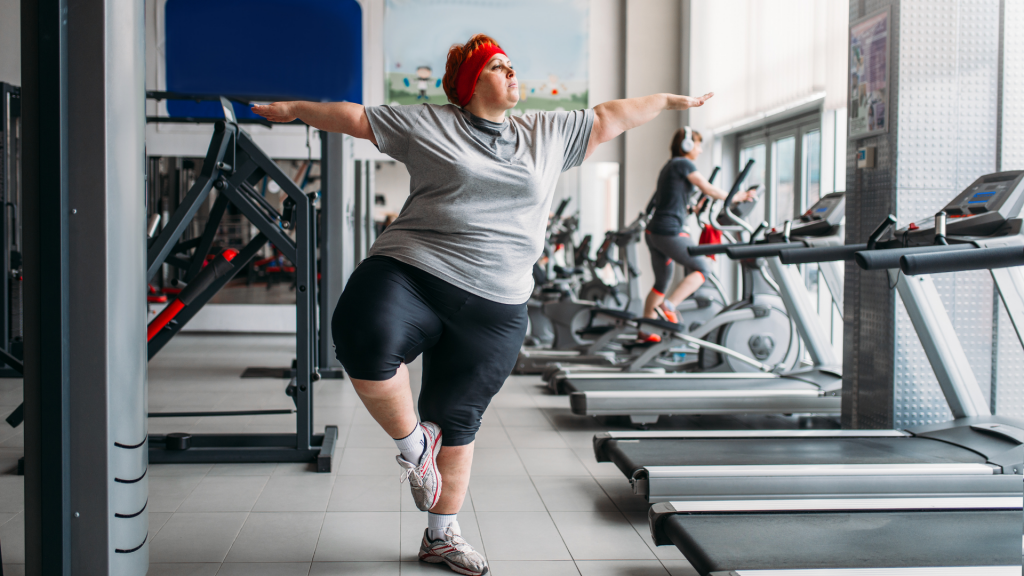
pixel 469 71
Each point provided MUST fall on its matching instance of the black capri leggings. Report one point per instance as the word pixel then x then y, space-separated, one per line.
pixel 666 249
pixel 391 312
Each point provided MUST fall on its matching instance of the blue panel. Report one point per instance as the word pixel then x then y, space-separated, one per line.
pixel 262 49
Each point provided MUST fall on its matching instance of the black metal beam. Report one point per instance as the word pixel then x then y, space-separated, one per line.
pixel 206 240
pixel 181 319
pixel 223 135
pixel 45 225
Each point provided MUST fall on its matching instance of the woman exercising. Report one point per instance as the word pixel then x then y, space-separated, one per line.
pixel 666 234
pixel 450 277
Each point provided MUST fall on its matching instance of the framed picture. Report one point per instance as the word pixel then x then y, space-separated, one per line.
pixel 549 53
pixel 869 75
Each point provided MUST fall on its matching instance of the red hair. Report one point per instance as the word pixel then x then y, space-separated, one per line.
pixel 457 55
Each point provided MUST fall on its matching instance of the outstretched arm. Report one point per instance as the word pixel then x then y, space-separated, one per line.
pixel 616 116
pixel 345 117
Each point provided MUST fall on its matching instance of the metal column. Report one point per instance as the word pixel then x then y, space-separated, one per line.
pixel 337 237
pixel 44 68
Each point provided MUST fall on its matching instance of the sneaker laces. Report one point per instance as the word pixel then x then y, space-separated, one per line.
pixel 409 473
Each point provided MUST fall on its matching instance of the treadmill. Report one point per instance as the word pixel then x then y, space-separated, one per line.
pixel 976 536
pixel 644 397
pixel 976 454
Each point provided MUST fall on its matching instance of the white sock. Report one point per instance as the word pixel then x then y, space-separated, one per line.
pixel 438 523
pixel 413 445
pixel 668 305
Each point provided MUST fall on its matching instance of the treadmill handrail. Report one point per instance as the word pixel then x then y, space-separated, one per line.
pixel 656 434
pixel 846 504
pixel 804 470
pixel 921 571
pixel 698 393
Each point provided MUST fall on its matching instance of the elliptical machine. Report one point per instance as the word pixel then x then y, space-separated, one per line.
pixel 771 336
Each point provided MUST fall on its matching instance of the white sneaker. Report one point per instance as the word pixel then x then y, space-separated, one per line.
pixel 453 551
pixel 424 477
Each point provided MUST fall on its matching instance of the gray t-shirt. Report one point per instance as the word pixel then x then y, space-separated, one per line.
pixel 480 191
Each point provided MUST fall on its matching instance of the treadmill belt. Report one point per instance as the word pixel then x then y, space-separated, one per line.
pixel 632 455
pixel 720 542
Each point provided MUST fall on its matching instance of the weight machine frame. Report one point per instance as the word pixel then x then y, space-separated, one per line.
pixel 233 165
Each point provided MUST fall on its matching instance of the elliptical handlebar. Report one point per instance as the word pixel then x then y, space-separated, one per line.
pixel 967 258
pixel 708 249
pixel 727 205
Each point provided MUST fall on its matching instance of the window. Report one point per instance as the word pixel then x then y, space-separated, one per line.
pixel 783 180
pixel 812 169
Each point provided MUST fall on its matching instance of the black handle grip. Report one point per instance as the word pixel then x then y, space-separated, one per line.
pixel 561 207
pixel 739 182
pixel 708 249
pixel 821 254
pixel 890 258
pixel 761 250
pixel 961 260
pixel 711 179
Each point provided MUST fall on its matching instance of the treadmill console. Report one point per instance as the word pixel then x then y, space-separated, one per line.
pixel 821 219
pixel 980 210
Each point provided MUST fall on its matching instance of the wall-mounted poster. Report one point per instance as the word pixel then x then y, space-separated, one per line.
pixel 546 41
pixel 869 75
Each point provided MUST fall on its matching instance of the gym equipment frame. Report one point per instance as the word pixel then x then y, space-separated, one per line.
pixel 233 164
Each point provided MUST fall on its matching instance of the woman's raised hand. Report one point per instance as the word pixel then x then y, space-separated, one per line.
pixel 678 102
pixel 277 111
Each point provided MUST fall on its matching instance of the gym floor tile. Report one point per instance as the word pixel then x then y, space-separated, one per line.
pixel 12 494
pixel 497 462
pixel 601 536
pixel 196 537
pixel 521 536
pixel 620 491
pixel 224 494
pixel 505 493
pixel 586 456
pixel 523 418
pixel 156 522
pixel 679 568
pixel 308 493
pixel 424 569
pixel 552 462
pixel 372 436
pixel 179 469
pixel 373 461
pixel 533 568
pixel 621 568
pixel 264 569
pixel 493 437
pixel 301 468
pixel 366 494
pixel 534 437
pixel 572 494
pixel 359 536
pixel 242 469
pixel 12 534
pixel 355 569
pixel 180 569
pixel 166 493
pixel 277 537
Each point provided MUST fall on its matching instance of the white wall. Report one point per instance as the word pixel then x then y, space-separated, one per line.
pixel 653 65
pixel 10 41
pixel 757 56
